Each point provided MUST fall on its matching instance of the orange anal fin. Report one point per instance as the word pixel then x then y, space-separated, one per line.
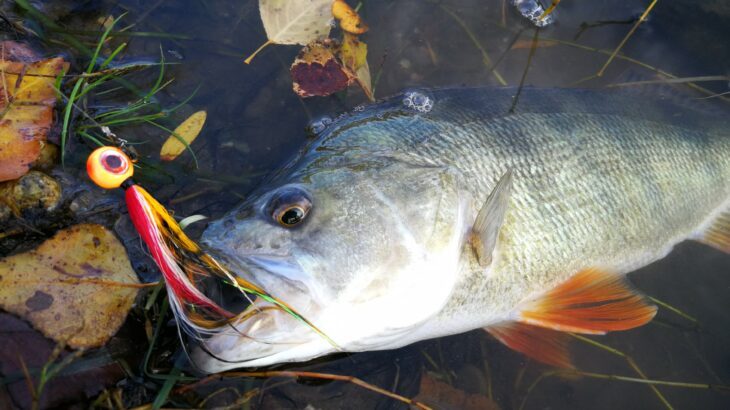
pixel 591 302
pixel 544 345
pixel 718 234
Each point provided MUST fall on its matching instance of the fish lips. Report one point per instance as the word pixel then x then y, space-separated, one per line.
pixel 269 335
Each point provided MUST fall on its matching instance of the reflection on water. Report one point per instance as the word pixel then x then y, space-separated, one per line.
pixel 256 122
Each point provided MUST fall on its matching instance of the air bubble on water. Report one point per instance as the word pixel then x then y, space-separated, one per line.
pixel 418 101
pixel 317 125
pixel 359 108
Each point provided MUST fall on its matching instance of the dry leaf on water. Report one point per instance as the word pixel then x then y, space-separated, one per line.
pixel 27 97
pixel 348 18
pixel 353 54
pixel 188 130
pixel 325 67
pixel 294 21
pixel 76 287
pixel 317 72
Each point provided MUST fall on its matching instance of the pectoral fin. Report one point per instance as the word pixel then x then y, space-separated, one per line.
pixel 718 234
pixel 490 218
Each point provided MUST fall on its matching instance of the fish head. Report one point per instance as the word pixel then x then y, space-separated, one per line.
pixel 364 253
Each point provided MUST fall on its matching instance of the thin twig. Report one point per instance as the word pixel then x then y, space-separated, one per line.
pixel 311 375
pixel 626 38
pixel 629 360
pixel 516 98
pixel 674 80
pixel 485 57
pixel 91 281
pixel 673 309
pixel 703 386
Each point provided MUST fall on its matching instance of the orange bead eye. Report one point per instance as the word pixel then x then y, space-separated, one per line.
pixel 108 167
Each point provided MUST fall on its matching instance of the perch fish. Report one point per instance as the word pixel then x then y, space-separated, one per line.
pixel 437 212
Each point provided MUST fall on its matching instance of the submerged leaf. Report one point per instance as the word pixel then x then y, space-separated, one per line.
pixel 441 395
pixel 348 18
pixel 184 135
pixel 76 287
pixel 317 72
pixel 294 21
pixel 27 97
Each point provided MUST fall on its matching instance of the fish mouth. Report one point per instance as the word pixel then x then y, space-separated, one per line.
pixel 264 333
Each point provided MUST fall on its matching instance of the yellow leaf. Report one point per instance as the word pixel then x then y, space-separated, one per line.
pixel 294 21
pixel 27 97
pixel 353 54
pixel 76 287
pixel 187 131
pixel 349 20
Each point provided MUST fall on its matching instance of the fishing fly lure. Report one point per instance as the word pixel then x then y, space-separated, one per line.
pixel 184 265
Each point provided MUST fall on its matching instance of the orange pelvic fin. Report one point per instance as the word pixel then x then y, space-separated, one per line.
pixel 591 302
pixel 718 234
pixel 544 345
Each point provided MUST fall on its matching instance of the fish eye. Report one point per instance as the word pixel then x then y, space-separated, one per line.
pixel 289 207
pixel 109 167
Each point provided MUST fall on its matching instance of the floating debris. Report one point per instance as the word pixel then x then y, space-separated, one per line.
pixel 418 101
pixel 535 12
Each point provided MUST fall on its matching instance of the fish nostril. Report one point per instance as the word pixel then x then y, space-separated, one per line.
pixel 275 246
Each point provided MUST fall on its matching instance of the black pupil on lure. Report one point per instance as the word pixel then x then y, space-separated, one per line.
pixel 113 162
pixel 292 216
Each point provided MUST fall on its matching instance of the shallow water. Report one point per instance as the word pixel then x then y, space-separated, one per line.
pixel 256 122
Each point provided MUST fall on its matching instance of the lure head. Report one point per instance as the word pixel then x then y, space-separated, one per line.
pixel 109 167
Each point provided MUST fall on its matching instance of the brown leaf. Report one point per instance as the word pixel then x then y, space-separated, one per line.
pixel 22 343
pixel 76 287
pixel 316 71
pixel 27 97
pixel 443 396
pixel 527 44
pixel 348 18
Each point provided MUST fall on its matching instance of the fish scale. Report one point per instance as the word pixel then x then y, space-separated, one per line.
pixel 570 196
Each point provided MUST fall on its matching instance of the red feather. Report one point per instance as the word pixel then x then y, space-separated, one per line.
pixel 146 221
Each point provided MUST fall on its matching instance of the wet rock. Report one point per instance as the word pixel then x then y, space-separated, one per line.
pixel 33 191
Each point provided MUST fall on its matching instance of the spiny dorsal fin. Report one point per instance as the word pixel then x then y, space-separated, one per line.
pixel 490 218
pixel 591 302
pixel 718 234
pixel 544 345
